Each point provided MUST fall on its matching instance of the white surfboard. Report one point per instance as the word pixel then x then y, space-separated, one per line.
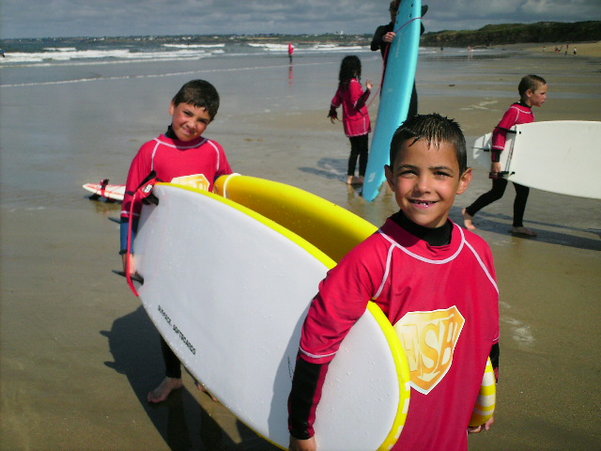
pixel 482 147
pixel 228 289
pixel 561 157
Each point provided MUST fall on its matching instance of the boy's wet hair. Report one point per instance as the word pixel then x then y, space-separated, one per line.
pixel 532 82
pixel 199 93
pixel 433 128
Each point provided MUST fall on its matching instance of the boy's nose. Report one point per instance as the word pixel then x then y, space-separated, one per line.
pixel 423 184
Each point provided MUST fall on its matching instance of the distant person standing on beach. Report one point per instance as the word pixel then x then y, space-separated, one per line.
pixel 533 92
pixel 383 37
pixel 355 115
pixel 290 51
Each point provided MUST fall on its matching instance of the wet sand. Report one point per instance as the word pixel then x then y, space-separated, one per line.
pixel 78 352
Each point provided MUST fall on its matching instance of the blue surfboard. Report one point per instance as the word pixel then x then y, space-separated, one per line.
pixel 396 92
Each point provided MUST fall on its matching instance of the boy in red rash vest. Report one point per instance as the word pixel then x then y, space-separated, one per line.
pixel 180 155
pixel 436 283
pixel 533 92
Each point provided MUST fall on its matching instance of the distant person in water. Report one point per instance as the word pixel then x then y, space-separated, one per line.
pixel 533 92
pixel 383 37
pixel 290 51
pixel 355 115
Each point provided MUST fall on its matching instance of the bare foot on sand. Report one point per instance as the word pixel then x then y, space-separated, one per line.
pixel 468 220
pixel 161 393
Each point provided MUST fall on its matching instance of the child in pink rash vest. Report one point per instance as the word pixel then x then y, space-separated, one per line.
pixel 181 155
pixel 533 92
pixel 355 115
pixel 436 283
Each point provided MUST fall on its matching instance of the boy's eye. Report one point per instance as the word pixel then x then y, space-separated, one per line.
pixel 407 172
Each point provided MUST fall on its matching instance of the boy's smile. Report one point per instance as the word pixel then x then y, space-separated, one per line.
pixel 188 121
pixel 425 179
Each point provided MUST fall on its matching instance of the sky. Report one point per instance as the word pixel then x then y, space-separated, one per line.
pixel 66 18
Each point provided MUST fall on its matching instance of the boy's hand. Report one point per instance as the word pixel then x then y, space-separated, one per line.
pixel 484 427
pixel 297 444
pixel 129 264
pixel 495 168
pixel 389 37
pixel 369 85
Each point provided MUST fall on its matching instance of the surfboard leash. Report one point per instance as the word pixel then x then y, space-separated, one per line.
pixel 144 194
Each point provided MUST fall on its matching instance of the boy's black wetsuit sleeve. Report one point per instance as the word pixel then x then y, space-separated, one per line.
pixel 495 353
pixel 305 394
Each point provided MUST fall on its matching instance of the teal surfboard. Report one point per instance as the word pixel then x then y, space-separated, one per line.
pixel 396 92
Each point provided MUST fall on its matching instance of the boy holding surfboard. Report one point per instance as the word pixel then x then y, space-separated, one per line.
pixel 533 92
pixel 435 282
pixel 180 155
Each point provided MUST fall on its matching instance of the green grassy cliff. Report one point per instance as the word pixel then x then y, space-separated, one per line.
pixel 551 32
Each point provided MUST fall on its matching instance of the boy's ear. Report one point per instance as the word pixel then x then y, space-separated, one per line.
pixel 388 174
pixel 465 180
pixel 171 108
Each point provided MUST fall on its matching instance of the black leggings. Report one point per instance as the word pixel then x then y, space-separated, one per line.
pixel 358 149
pixel 172 364
pixel 497 191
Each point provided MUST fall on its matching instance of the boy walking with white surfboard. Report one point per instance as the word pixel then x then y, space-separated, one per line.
pixel 533 92
pixel 181 155
pixel 435 282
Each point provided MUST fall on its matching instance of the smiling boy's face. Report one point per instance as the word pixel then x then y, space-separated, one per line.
pixel 188 121
pixel 425 179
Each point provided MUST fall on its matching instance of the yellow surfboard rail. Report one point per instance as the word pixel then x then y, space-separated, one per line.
pixel 332 228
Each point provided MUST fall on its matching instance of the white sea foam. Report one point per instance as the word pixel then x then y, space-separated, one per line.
pixel 194 46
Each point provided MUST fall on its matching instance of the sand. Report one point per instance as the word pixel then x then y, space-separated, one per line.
pixel 78 352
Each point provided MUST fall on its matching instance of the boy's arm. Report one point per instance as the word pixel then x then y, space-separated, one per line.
pixel 139 169
pixel 499 134
pixel 342 299
pixel 495 354
pixel 224 167
pixel 304 396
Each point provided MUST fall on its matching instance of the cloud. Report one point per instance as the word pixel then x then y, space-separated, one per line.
pixel 41 18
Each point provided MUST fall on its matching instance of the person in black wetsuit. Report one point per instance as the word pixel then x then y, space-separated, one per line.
pixel 383 37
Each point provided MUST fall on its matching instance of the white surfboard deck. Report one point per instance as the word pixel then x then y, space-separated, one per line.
pixel 112 192
pixel 396 93
pixel 561 157
pixel 329 227
pixel 482 147
pixel 228 289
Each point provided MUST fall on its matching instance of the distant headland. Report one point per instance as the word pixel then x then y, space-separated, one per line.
pixel 540 32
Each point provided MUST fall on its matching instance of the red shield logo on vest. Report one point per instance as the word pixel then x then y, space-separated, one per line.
pixel 429 339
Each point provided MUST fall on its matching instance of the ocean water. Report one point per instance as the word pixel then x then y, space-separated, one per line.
pixel 39 54
pixel 45 51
